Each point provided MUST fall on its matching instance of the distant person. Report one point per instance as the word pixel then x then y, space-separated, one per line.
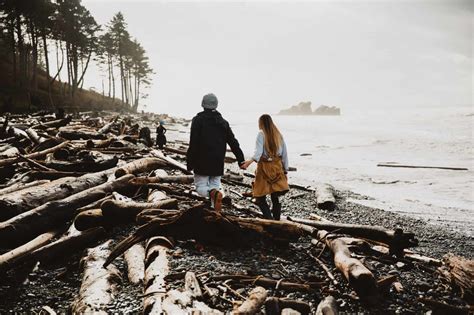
pixel 160 135
pixel 272 168
pixel 210 134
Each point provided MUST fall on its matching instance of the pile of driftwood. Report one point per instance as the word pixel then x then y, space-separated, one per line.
pixel 65 183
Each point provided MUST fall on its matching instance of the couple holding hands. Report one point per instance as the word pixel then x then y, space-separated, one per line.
pixel 210 134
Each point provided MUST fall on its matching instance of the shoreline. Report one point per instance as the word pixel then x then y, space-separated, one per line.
pixel 182 134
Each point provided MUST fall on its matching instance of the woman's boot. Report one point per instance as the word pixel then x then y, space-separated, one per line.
pixel 276 207
pixel 276 210
pixel 263 205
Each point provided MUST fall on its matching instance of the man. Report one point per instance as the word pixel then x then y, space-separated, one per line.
pixel 210 134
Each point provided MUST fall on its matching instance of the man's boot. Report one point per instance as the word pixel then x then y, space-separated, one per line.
pixel 263 205
pixel 276 210
pixel 216 199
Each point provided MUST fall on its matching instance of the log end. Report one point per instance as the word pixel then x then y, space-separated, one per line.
pixel 327 205
pixel 120 172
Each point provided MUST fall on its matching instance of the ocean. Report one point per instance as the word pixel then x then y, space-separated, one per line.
pixel 345 150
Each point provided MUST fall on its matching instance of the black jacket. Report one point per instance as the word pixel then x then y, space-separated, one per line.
pixel 210 134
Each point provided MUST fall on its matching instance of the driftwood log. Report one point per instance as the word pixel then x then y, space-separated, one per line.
pixel 95 163
pixel 91 218
pixel 135 259
pixel 19 186
pixel 114 212
pixel 54 123
pixel 185 301
pixel 170 161
pixel 180 179
pixel 422 166
pixel 71 242
pixel 270 283
pixel 396 239
pixel 28 198
pixel 156 269
pixel 328 306
pixel 140 166
pixel 359 277
pixel 459 272
pixel 53 214
pixel 254 302
pixel 10 259
pixel 98 284
pixel 274 306
pixel 130 209
pixel 156 264
pixel 35 155
pixel 325 197
pixel 214 228
pixel 442 308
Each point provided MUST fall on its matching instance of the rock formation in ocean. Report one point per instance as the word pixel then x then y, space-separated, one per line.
pixel 304 108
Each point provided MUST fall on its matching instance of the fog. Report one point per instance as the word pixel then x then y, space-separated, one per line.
pixel 263 56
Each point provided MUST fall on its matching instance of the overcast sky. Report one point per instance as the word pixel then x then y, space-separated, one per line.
pixel 268 55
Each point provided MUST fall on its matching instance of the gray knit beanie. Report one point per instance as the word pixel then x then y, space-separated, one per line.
pixel 209 101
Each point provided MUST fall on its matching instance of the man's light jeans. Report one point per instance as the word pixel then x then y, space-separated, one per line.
pixel 204 184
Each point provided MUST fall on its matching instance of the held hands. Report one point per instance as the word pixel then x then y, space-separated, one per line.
pixel 246 164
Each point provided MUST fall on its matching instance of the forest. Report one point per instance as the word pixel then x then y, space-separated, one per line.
pixel 46 48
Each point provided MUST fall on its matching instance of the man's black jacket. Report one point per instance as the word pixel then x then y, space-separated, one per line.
pixel 210 134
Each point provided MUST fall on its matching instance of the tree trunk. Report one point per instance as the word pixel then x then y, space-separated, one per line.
pixel 122 83
pixel 81 79
pixel 13 49
pixel 21 50
pixel 109 73
pixel 34 44
pixel 52 214
pixel 46 60
pixel 58 66
pixel 113 81
pixel 99 285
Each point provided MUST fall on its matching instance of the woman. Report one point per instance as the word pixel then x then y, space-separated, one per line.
pixel 272 166
pixel 160 135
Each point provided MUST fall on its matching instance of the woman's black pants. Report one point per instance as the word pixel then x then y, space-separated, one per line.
pixel 265 208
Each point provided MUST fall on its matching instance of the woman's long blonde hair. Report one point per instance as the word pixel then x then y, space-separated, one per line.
pixel 273 137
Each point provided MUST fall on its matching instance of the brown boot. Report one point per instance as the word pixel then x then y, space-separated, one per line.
pixel 216 199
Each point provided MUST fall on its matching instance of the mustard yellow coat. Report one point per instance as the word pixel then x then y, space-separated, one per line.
pixel 269 178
